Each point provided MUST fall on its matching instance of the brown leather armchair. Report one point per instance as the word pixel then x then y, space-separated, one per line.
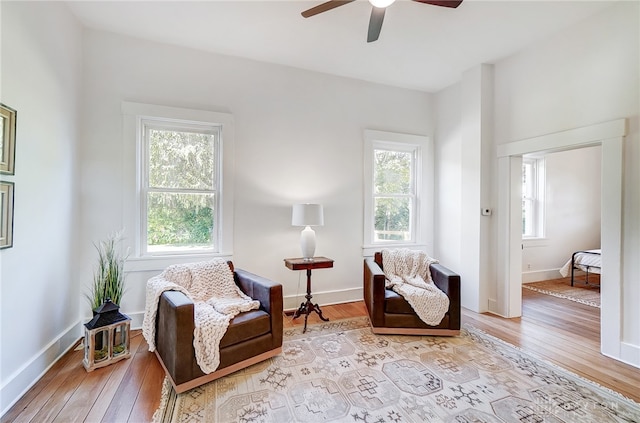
pixel 252 336
pixel 390 313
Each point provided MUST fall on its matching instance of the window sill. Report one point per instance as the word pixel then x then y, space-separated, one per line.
pixel 534 242
pixel 369 250
pixel 155 263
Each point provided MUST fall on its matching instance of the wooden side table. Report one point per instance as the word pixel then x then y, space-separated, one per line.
pixel 301 264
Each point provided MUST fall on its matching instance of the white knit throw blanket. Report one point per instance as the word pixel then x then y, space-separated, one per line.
pixel 217 300
pixel 407 273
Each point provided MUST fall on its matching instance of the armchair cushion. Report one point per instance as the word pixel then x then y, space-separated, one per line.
pixel 246 326
pixel 395 303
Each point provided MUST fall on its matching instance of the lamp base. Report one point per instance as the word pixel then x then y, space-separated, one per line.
pixel 308 243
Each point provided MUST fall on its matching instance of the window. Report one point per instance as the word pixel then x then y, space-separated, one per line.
pixel 182 199
pixel 394 193
pixel 533 183
pixel 180 192
pixel 395 188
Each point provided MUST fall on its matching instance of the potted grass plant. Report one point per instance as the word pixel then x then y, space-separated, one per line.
pixel 107 334
pixel 108 277
pixel 108 286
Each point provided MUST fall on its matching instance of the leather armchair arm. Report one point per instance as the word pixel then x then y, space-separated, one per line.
pixel 449 283
pixel 446 280
pixel 374 288
pixel 174 334
pixel 269 293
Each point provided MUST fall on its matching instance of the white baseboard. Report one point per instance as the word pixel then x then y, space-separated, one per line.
pixel 492 306
pixel 136 319
pixel 18 383
pixel 540 275
pixel 630 354
pixel 292 302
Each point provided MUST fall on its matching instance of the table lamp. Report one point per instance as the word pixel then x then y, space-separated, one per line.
pixel 307 215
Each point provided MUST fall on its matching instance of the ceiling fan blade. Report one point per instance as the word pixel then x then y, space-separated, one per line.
pixel 375 23
pixel 444 3
pixel 331 4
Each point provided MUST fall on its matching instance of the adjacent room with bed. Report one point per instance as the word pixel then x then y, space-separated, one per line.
pixel 561 224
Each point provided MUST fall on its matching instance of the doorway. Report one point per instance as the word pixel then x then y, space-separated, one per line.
pixel 561 215
pixel 610 136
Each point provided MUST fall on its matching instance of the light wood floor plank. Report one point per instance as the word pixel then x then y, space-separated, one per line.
pixel 148 399
pixel 63 393
pixel 80 403
pixel 35 399
pixel 122 403
pixel 112 384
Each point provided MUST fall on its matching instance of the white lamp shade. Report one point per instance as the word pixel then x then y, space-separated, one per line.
pixel 307 215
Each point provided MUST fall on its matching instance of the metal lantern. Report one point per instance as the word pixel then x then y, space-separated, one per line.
pixel 106 337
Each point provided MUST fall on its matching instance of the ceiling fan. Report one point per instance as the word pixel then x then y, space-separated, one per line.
pixel 377 11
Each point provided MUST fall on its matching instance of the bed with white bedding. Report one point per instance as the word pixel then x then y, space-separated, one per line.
pixel 589 261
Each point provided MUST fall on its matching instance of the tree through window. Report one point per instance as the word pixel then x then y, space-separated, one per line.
pixel 393 195
pixel 180 189
pixel 398 186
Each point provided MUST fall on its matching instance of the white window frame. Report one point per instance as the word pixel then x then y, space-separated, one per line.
pixel 145 188
pixel 537 197
pixel 134 117
pixel 422 217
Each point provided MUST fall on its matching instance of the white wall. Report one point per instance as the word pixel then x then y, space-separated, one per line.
pixel 448 189
pixel 298 137
pixel 41 65
pixel 585 75
pixel 464 168
pixel 572 213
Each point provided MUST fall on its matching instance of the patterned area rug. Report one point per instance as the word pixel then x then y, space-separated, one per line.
pixel 561 288
pixel 340 372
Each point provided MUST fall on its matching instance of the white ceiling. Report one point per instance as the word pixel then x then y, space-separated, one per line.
pixel 421 46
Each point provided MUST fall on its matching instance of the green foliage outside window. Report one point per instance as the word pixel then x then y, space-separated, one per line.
pixel 181 198
pixel 392 219
pixel 392 191
pixel 180 219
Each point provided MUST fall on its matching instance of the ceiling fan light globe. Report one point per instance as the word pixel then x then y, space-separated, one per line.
pixel 381 3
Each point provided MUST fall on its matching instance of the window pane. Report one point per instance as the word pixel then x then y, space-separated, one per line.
pixel 178 221
pixel 392 172
pixel 392 219
pixel 527 179
pixel 2 123
pixel 181 159
pixel 527 218
pixel 532 197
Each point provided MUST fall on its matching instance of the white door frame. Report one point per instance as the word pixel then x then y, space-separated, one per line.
pixel 610 135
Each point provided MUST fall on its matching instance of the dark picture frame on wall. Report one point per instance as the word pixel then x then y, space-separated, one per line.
pixel 6 214
pixel 8 145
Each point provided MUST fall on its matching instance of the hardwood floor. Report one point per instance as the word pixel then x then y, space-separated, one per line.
pixel 561 331
pixel 565 333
